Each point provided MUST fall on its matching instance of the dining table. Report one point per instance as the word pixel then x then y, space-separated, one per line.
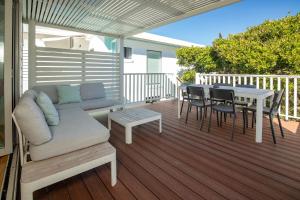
pixel 253 93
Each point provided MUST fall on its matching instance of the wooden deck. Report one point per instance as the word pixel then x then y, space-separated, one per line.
pixel 186 163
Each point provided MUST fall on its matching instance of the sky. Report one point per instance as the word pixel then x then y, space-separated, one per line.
pixel 235 18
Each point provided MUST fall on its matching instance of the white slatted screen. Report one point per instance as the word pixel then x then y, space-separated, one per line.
pixel 65 66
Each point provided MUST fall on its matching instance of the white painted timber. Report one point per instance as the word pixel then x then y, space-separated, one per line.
pixel 115 17
pixel 133 117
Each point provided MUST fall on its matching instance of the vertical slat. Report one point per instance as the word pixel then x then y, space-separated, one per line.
pixel 224 81
pixel 264 82
pixel 295 97
pixel 239 80
pixel 245 80
pixel 251 80
pixel 229 79
pixel 219 79
pixel 234 81
pixel 271 83
pixel 279 88
pixel 257 82
pixel 125 88
pixel 134 88
pixel 130 88
pixel 286 98
pixel 209 80
pixel 215 79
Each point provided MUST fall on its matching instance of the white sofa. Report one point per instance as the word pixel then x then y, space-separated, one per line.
pixel 77 131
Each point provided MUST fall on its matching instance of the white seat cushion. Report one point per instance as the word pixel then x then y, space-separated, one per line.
pixel 76 130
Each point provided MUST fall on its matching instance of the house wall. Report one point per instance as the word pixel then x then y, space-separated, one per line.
pixel 138 63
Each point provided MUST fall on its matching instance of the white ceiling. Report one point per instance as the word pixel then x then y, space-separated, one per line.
pixel 115 17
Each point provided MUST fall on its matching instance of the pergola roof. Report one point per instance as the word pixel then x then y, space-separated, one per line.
pixel 115 17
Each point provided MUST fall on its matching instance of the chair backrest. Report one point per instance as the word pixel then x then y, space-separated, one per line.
pixel 195 92
pixel 245 86
pixel 217 85
pixel 276 101
pixel 217 94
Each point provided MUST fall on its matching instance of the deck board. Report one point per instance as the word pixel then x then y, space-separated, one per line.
pixel 186 163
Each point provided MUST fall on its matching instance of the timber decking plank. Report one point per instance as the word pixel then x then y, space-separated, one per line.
pixel 77 189
pixel 95 186
pixel 119 191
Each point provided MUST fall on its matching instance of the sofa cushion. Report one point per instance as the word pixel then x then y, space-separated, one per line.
pixel 76 130
pixel 31 93
pixel 92 91
pixel 98 103
pixel 50 112
pixel 50 90
pixel 32 121
pixel 68 94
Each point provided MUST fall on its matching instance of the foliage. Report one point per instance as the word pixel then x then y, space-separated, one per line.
pixel 270 48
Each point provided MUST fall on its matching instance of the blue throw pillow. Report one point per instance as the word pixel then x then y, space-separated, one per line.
pixel 50 112
pixel 68 94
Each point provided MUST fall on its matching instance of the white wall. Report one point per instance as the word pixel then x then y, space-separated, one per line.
pixel 138 63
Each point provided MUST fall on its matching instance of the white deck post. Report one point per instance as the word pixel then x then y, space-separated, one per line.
pixel 121 62
pixel 31 53
pixel 259 120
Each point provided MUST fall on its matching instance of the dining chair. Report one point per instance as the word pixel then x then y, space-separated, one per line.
pixel 197 99
pixel 271 111
pixel 220 97
pixel 184 98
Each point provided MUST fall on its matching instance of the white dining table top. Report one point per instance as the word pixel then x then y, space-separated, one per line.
pixel 238 91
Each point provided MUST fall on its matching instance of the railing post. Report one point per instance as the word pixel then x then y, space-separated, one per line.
pixel 31 54
pixel 286 98
pixel 295 97
pixel 121 63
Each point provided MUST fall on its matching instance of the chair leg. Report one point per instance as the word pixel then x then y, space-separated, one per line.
pixel 253 116
pixel 218 123
pixel 225 116
pixel 187 113
pixel 209 122
pixel 233 125
pixel 181 106
pixel 205 112
pixel 272 129
pixel 221 115
pixel 202 118
pixel 200 113
pixel 197 111
pixel 280 125
pixel 244 122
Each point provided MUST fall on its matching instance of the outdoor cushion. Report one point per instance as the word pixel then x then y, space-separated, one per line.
pixel 48 109
pixel 68 94
pixel 50 90
pixel 67 106
pixel 76 130
pixel 92 91
pixel 31 93
pixel 32 121
pixel 98 103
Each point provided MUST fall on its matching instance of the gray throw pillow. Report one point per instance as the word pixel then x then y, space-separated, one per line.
pixel 32 121
pixel 92 91
pixel 48 109
pixel 68 94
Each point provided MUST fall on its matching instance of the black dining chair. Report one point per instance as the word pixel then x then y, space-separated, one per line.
pixel 218 98
pixel 197 99
pixel 185 97
pixel 271 111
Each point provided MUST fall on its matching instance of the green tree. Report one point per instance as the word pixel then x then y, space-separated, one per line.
pixel 270 48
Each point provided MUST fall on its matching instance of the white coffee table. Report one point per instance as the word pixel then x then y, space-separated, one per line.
pixel 133 117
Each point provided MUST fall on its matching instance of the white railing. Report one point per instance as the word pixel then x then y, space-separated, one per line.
pixel 290 105
pixel 148 87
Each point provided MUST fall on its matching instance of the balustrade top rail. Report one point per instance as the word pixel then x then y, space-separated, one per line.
pixel 252 75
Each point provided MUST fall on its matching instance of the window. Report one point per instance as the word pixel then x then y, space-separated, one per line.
pixel 153 61
pixel 127 52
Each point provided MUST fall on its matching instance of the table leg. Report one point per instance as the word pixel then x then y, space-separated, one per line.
pixel 128 135
pixel 160 125
pixel 259 120
pixel 109 123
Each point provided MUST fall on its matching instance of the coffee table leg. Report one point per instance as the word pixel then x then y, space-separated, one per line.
pixel 160 125
pixel 128 135
pixel 109 123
